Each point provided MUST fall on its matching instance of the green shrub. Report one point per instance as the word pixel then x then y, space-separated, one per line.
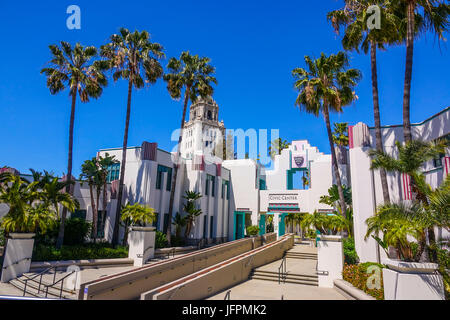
pixel 76 231
pixel 178 241
pixel 350 255
pixel 160 240
pixel 357 275
pixel 252 230
pixel 49 237
pixel 79 252
pixel 2 238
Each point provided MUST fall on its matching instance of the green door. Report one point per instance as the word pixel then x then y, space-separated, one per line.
pixel 239 225
pixel 262 224
pixel 282 225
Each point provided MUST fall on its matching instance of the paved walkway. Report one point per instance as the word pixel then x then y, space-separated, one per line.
pixel 268 290
pixel 256 289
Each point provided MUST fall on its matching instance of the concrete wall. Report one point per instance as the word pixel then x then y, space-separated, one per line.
pixel 129 285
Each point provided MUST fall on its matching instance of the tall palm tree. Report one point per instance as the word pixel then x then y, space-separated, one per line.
pixel 90 172
pixel 73 67
pixel 327 86
pixel 195 75
pixel 105 163
pixel 353 17
pixel 132 57
pixel 435 15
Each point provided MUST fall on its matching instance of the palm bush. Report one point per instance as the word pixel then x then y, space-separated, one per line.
pixel 429 208
pixel 27 213
pixel 252 230
pixel 191 210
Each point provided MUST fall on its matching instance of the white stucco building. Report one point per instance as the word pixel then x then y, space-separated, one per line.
pixel 366 184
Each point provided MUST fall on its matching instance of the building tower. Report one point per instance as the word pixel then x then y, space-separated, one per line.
pixel 203 134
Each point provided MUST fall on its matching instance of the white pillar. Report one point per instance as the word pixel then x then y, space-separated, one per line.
pixel 330 260
pixel 276 221
pixel 363 198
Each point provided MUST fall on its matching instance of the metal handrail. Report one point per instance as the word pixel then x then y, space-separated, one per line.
pixel 40 280
pixel 62 283
pixel 171 251
pixel 282 270
pixel 228 295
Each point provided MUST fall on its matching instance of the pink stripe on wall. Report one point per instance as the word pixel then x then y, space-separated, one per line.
pixel 350 136
pixel 447 165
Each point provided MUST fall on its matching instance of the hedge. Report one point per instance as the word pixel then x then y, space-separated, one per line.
pixel 79 252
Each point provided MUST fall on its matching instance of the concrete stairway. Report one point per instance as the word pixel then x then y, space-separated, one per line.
pixel 306 279
pixel 301 262
pixel 32 289
pixel 301 255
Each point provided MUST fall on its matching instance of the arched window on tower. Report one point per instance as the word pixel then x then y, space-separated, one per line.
pixel 209 115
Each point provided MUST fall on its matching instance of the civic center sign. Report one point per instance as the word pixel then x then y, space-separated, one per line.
pixel 283 197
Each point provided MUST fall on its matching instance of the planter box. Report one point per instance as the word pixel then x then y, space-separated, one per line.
pixel 412 281
pixel 17 255
pixel 141 242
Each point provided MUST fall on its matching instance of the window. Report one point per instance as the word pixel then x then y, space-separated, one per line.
pixel 101 223
pixel 437 162
pixel 169 179
pixel 226 184
pixel 113 172
pixel 211 227
pixel 209 115
pixel 166 223
pixel 210 178
pixel 262 184
pixel 79 214
pixel 223 188
pixel 205 227
pixel 207 185
pixel 159 176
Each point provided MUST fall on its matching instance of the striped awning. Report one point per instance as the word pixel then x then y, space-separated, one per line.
pixel 283 207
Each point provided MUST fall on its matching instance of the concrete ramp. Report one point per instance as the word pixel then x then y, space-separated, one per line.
pixel 221 276
pixel 131 284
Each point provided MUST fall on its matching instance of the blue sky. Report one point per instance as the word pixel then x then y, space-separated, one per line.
pixel 254 46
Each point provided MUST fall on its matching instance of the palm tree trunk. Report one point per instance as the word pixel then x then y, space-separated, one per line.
pixel 98 192
pixel 376 113
pixel 105 202
pixel 60 240
pixel 94 222
pixel 408 71
pixel 178 158
pixel 115 239
pixel 334 161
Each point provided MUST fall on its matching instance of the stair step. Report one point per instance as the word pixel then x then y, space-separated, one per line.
pixel 289 275
pixel 35 282
pixel 304 282
pixel 32 290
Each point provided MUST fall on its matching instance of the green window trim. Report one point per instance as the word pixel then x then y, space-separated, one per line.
pixel 113 172
pixel 159 175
